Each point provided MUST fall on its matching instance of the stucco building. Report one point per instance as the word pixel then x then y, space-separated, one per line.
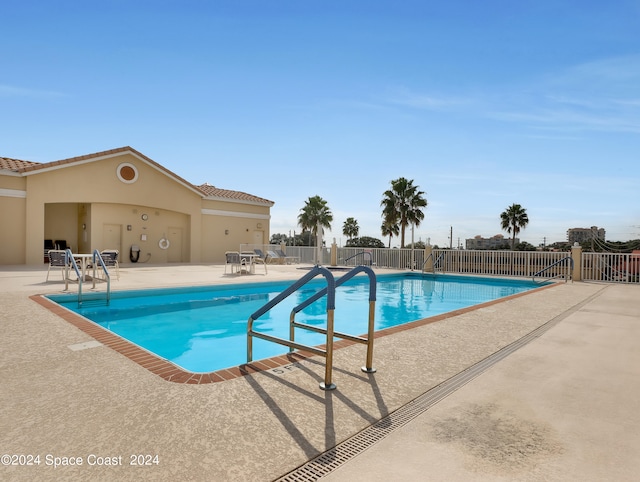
pixel 494 242
pixel 581 235
pixel 117 199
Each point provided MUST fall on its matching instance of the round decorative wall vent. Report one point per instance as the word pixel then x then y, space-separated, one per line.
pixel 127 173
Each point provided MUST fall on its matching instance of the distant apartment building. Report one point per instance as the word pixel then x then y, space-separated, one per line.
pixel 494 242
pixel 580 235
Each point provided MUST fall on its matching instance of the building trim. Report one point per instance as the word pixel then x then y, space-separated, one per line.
pixel 238 201
pixel 13 193
pixel 234 214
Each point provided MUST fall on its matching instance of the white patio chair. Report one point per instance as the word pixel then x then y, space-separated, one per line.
pixel 57 259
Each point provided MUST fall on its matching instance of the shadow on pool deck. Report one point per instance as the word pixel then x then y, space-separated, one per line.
pixel 563 407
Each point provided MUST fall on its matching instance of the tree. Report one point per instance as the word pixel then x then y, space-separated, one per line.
pixel 365 242
pixel 314 212
pixel 279 238
pixel 402 205
pixel 350 228
pixel 513 219
pixel 389 228
pixel 524 246
pixel 417 245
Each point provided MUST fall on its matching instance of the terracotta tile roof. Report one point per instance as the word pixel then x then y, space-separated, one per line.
pixel 212 191
pixel 14 164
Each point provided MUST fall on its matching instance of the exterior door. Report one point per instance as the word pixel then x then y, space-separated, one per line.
pixel 174 252
pixel 258 237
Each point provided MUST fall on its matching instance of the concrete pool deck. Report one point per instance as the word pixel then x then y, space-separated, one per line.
pixel 564 406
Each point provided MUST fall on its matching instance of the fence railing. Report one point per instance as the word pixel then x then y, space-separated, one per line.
pixel 499 263
pixel 609 267
pixel 612 267
pixel 304 254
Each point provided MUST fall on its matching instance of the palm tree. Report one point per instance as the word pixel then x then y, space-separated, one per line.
pixel 513 219
pixel 390 228
pixel 314 212
pixel 350 228
pixel 402 205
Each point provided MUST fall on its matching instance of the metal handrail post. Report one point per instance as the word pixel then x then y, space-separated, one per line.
pixel 368 368
pixel 328 366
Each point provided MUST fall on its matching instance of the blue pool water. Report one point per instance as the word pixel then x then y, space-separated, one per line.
pixel 203 329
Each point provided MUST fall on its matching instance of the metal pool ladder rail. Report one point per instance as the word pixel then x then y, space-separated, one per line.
pixel 363 254
pixel 70 262
pixel 329 291
pixel 567 276
pixel 98 263
pixel 435 264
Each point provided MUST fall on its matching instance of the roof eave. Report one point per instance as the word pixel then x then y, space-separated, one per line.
pixel 239 201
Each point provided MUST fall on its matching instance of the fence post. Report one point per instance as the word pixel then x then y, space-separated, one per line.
pixel 334 253
pixel 428 265
pixel 576 255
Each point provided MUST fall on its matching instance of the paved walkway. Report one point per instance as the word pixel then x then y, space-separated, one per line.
pixel 563 407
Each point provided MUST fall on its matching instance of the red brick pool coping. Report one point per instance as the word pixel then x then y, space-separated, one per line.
pixel 173 373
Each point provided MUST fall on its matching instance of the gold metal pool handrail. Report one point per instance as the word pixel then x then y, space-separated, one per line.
pixel 329 292
pixel 328 352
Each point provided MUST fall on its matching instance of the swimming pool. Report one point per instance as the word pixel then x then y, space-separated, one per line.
pixel 203 329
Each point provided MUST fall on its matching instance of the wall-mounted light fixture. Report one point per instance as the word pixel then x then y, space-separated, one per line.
pixel 129 227
pixel 226 231
pixel 84 226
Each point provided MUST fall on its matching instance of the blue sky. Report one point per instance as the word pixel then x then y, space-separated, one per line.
pixel 482 104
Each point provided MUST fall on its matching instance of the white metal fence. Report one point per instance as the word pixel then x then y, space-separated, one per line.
pixel 300 254
pixel 621 268
pixel 504 263
pixel 612 267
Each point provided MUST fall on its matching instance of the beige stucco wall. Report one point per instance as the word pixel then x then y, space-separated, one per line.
pixel 10 180
pixel 12 218
pixel 227 225
pixel 86 204
pixel 61 223
pixel 13 230
pixel 159 224
pixel 96 185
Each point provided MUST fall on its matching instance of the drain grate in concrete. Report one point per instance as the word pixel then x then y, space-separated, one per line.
pixel 333 458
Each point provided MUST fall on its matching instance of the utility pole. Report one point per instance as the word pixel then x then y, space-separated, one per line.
pixel 451 238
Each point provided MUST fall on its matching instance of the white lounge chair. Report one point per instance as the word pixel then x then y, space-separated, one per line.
pixel 273 257
pixel 287 259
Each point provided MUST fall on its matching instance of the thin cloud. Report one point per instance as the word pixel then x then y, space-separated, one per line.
pixel 408 98
pixel 566 120
pixel 601 96
pixel 13 91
